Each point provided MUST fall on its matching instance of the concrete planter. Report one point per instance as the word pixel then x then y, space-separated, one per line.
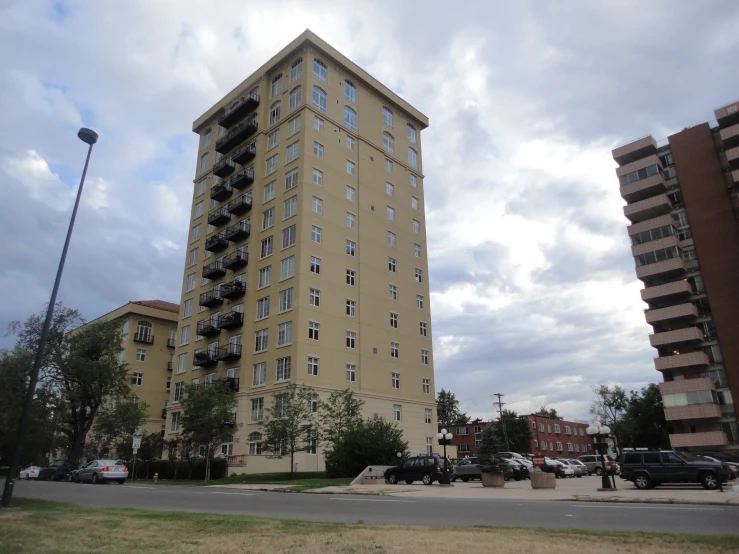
pixel 540 480
pixel 492 479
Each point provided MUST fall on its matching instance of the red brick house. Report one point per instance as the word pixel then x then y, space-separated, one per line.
pixel 557 438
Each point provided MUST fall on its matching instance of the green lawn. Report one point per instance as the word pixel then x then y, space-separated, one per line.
pixel 301 481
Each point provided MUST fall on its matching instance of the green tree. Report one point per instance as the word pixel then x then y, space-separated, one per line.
pixel 489 451
pixel 643 425
pixel 447 410
pixel 152 447
pixel 551 413
pixel 208 417
pixel 609 406
pixel 113 427
pixel 289 425
pixel 518 430
pixel 370 442
pixel 339 414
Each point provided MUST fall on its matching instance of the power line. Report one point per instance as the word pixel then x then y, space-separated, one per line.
pixel 500 405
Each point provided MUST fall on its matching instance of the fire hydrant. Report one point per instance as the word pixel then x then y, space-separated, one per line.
pixel 156 478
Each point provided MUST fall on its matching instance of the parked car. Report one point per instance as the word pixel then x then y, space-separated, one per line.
pixel 649 468
pixel 56 471
pixel 426 469
pixel 99 471
pixel 556 467
pixel 723 456
pixel 519 469
pixel 731 468
pixel 72 477
pixel 579 469
pixel 594 463
pixel 31 472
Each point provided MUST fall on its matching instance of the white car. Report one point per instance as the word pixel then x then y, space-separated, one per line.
pixel 30 472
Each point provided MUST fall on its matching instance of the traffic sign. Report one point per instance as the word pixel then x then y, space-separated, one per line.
pixel 135 451
pixel 136 443
pixel 538 461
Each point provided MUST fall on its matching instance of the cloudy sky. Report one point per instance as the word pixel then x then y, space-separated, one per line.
pixel 533 288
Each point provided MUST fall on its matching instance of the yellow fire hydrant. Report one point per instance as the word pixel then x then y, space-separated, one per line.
pixel 156 478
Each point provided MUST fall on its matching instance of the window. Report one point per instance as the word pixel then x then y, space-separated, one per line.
pixel 259 376
pixel 350 92
pixel 276 86
pixel 179 389
pixel 265 277
pixel 271 165
pixel 273 139
pixel 351 339
pixel 319 98
pixel 419 301
pixel 388 166
pixel 296 96
pixel 393 292
pixel 351 372
pixel 581 432
pixel 199 207
pixel 316 234
pixel 206 138
pixel 556 428
pixel 195 233
pixel 396 412
pixel 414 181
pixel 263 307
pixel 412 158
pixel 137 379
pixel 287 268
pixel 317 123
pixel 318 149
pixel 391 264
pixel 317 205
pixel 390 238
pixel 293 126
pixel 312 442
pixel 296 72
pixel 320 71
pixel 317 176
pixel 169 384
pixel 351 220
pixel 274 113
pixel 350 277
pixel 410 133
pixel 257 409
pixel 291 179
pixel 268 219
pixel 426 386
pixel 255 443
pixel 315 265
pixel 175 426
pixel 285 335
pixel 293 151
pixel 286 300
pixel 388 142
pixel 266 248
pixel 393 320
pixel 567 430
pixel 390 213
pixel 425 357
pixel 414 202
pixel 290 207
pixel 314 330
pixel 396 380
pixel 191 282
pixel 351 248
pixel 350 167
pixel 261 340
pixel 350 118
pixel 204 163
pixel 187 308
pixel 313 402
pixel 423 328
pixel 270 191
pixel 387 117
pixel 182 363
pixel 417 250
pixel 389 189
pixel 419 276
pixel 351 308
pixel 289 236
pixel 427 415
pixel 185 335
pixel 351 193
pixel 192 259
pixel 312 366
pixel 200 187
pixel 394 350
pixel 350 143
pixel 315 297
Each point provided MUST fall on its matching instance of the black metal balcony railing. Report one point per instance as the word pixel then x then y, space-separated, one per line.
pixel 239 109
pixel 224 167
pixel 219 216
pixel 229 352
pixel 148 338
pixel 237 135
pixel 237 232
pixel 242 179
pixel 233 290
pixel 205 358
pixel 210 298
pixel 230 320
pixel 233 383
pixel 240 204
pixel 245 154
pixel 207 328
pixel 214 270
pixel 217 242
pixel 221 191
pixel 170 366
pixel 170 342
pixel 164 413
pixel 236 260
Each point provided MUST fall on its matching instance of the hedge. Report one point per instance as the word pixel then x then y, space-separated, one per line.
pixel 166 469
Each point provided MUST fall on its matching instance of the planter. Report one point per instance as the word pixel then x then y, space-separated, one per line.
pixel 493 479
pixel 541 480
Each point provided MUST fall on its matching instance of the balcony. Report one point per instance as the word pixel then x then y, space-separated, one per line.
pixel 687 385
pixel 668 292
pixel 732 155
pixel 205 358
pixel 668 269
pixel 230 320
pixel 240 204
pixel 245 154
pixel 233 290
pixel 146 338
pixel 658 244
pixel 207 328
pixel 237 135
pixel 709 438
pixel 210 298
pixel 688 335
pixel 648 209
pixel 690 360
pixel 170 342
pixel 239 109
pixel 681 312
pixel 224 167
pixel 730 136
pixel 235 260
pixel 233 383
pixel 214 270
pixel 696 411
pixel 229 352
pixel 217 242
pixel 219 216
pixel 242 179
pixel 636 150
pixel 238 232
pixel 646 187
pixel 221 192
pixel 170 366
pixel 650 224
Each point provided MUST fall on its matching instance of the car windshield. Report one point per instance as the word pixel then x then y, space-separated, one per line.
pixel 109 463
pixel 688 457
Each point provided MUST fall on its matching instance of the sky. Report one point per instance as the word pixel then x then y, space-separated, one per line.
pixel 533 289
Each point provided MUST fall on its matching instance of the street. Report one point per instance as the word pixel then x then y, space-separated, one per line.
pixel 379 510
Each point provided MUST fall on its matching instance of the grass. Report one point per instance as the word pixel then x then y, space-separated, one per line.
pixel 53 527
pixel 299 482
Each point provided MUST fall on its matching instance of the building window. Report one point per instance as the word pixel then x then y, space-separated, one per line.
pixel 276 86
pixel 265 277
pixel 270 191
pixel 195 233
pixel 283 369
pixel 393 292
pixel 169 384
pixel 350 143
pixel 417 250
pixel 296 72
pixel 319 98
pixel 199 207
pixel 427 415
pixel 423 329
pixel 187 308
pixel 313 402
pixel 206 138
pixel 315 265
pixel 313 330
pixel 419 301
pixel 425 357
pixel 293 126
pixel 290 207
pixel 426 385
pixel 416 226
pixel 273 139
pixel 255 444
pixel 396 412
pixel 414 181
pixel 350 167
pixel 388 142
pixel 351 339
pixel 412 158
pixel 204 163
pixel 316 234
pixel 263 307
pixel 289 236
pixel 261 340
pixel 179 391
pixel 274 113
pixel 394 350
pixel 293 151
pixel 350 92
pixel 200 187
pixel 317 123
pixel 556 428
pixel 393 320
pixel 257 409
pixel 351 193
pixel 318 149
pixel 351 372
pixel 351 220
pixel 291 179
pixel 312 442
pixel 259 376
pixel 312 366
pixel 389 189
pixel 390 213
pixel 320 71
pixel 388 166
pixel 287 268
pixel 414 202
pixel 387 117
pixel 266 247
pixel 314 297
pixel 419 276
pixel 182 362
pixel 410 132
pixel 270 165
pixel 192 259
pixel 350 277
pixel 350 118
pixel 285 333
pixel 396 380
pixel 295 97
pixel 390 238
pixel 185 335
pixel 286 300
pixel 391 264
pixel 175 426
pixel 137 379
pixel 567 430
pixel 351 308
pixel 317 205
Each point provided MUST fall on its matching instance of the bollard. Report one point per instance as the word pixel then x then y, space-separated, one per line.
pixel 156 478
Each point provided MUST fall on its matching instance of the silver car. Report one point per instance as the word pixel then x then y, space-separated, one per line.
pixel 467 469
pixel 99 471
pixel 579 468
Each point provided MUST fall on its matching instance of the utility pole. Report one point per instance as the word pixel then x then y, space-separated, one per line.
pixel 500 412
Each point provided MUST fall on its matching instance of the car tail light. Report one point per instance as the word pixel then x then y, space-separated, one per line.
pixel 608 464
pixel 438 468
pixel 105 468
pixel 125 469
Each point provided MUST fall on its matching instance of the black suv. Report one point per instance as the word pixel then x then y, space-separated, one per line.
pixel 421 468
pixel 649 468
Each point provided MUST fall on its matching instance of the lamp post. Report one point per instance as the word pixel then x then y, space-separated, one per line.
pixel 599 433
pixel 445 438
pixel 90 137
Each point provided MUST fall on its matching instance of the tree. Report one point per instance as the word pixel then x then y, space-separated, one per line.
pixel 609 406
pixel 114 424
pixel 152 447
pixel 551 413
pixel 644 424
pixel 447 410
pixel 289 426
pixel 518 430
pixel 370 442
pixel 339 414
pixel 208 417
pixel 489 451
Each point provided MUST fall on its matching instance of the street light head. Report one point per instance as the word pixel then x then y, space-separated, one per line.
pixel 87 135
pixel 605 430
pixel 448 436
pixel 400 455
pixel 592 430
pixel 443 431
pixel 440 436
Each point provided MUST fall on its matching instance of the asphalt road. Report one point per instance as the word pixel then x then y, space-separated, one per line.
pixel 394 511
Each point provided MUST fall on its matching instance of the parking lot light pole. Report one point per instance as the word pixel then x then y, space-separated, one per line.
pixel 599 433
pixel 444 439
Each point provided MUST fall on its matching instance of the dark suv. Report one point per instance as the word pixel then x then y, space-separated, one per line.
pixel 56 471
pixel 649 468
pixel 421 468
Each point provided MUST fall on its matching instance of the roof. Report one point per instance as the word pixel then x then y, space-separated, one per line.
pixel 158 305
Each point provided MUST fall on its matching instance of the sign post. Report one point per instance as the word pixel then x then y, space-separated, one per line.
pixel 136 445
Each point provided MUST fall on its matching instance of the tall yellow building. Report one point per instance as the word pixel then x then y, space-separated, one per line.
pixel 307 258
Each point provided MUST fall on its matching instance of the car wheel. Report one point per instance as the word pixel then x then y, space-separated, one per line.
pixel 409 481
pixel 121 481
pixel 517 478
pixel 465 479
pixel 28 477
pixel 427 480
pixel 392 479
pixel 598 471
pixel 578 476
pixel 642 481
pixel 94 478
pixel 709 481
pixel 70 478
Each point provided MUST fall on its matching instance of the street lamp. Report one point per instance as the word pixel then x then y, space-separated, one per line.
pixel 90 137
pixel 445 438
pixel 599 434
